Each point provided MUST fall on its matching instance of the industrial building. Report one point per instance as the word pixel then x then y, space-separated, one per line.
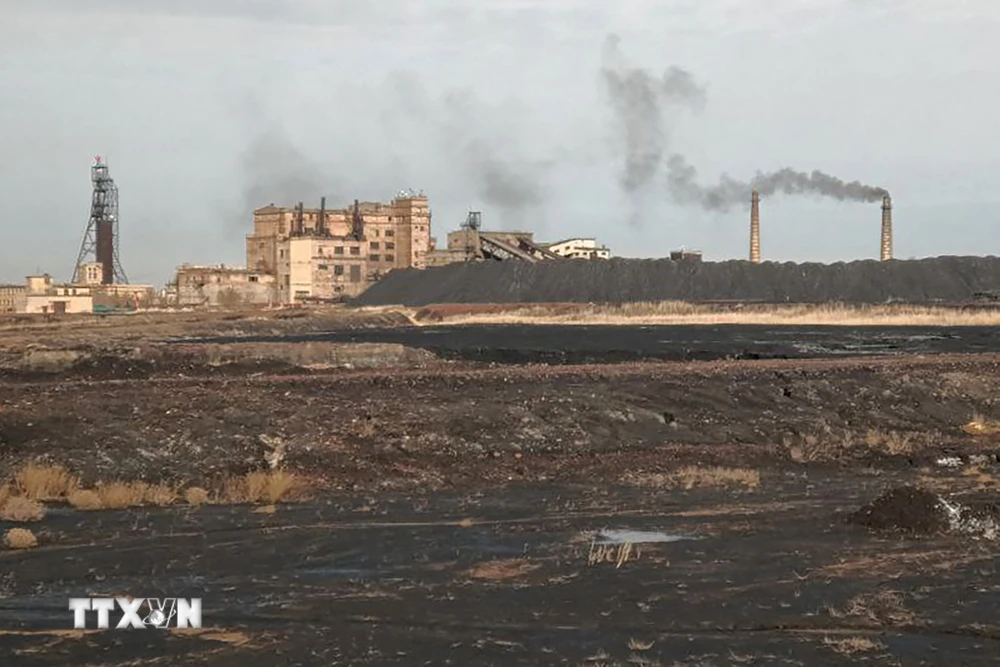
pixel 222 285
pixel 321 254
pixel 472 243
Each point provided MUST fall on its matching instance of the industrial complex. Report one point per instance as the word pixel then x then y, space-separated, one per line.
pixel 296 255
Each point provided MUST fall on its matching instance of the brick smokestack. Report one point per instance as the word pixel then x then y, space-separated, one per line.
pixel 321 226
pixel 886 250
pixel 755 227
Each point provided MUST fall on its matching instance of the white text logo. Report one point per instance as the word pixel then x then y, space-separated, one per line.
pixel 137 612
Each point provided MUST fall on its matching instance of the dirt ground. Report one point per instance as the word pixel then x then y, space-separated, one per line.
pixel 456 508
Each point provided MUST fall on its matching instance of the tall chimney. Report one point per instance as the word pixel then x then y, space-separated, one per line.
pixel 886 253
pixel 321 226
pixel 755 227
pixel 299 215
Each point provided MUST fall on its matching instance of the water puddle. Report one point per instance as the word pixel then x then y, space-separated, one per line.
pixel 638 537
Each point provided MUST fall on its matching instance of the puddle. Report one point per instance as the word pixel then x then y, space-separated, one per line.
pixel 637 537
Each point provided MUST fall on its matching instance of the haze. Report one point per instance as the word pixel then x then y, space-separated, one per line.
pixel 208 109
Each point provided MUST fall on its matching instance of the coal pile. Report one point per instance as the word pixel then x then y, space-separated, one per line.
pixel 938 279
pixel 906 510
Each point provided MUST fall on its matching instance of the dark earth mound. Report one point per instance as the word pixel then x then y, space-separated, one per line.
pixel 905 509
pixel 947 279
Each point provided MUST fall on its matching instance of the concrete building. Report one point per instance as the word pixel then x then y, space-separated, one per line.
pixel 318 254
pixel 224 286
pixel 580 248
pixel 13 298
pixel 45 296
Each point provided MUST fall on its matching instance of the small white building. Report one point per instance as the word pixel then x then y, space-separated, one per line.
pixel 44 296
pixel 582 248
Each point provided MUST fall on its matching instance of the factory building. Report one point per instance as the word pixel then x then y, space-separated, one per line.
pixel 471 243
pixel 321 254
pixel 583 248
pixel 222 285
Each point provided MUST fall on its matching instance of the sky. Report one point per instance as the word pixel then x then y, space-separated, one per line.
pixel 207 109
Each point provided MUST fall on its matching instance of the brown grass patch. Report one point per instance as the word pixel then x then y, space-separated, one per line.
pixel 196 496
pixel 5 493
pixel 121 495
pixel 680 312
pixel 830 446
pixel 160 495
pixel 85 499
pixel 39 482
pixel 256 487
pixel 885 607
pixel 20 538
pixel 853 645
pixel 500 570
pixel 20 509
pixel 690 477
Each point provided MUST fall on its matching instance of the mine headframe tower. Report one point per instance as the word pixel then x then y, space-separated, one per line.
pixel 473 223
pixel 100 240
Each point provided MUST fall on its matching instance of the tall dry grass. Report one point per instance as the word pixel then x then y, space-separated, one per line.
pixel 681 312
pixel 256 487
pixel 45 482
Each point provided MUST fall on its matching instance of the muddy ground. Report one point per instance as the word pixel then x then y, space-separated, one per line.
pixel 454 506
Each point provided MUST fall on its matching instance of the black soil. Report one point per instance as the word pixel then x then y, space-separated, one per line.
pixel 631 280
pixel 905 510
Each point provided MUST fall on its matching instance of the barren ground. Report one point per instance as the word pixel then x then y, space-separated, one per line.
pixel 454 502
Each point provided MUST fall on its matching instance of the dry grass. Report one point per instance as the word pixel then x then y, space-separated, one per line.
pixel 39 482
pixel 256 487
pixel 679 312
pixel 892 443
pixel 20 538
pixel 5 493
pixel 830 446
pixel 500 570
pixel 636 645
pixel 160 495
pixel 20 509
pixel 121 495
pixel 196 496
pixel 690 477
pixel 853 645
pixel 885 607
pixel 85 499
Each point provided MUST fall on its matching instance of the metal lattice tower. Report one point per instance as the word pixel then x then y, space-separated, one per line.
pixel 100 241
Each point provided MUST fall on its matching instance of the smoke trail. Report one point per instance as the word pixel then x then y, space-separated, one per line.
pixel 639 101
pixel 682 183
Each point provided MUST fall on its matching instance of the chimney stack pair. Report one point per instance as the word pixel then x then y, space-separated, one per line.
pixel 886 245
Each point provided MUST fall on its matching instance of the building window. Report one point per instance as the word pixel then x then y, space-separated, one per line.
pixel 373 258
pixel 338 269
pixel 390 246
pixel 254 279
pixel 375 233
pixel 339 250
pixel 390 232
pixel 323 267
pixel 374 245
pixel 355 273
pixel 390 258
pixel 355 250
pixel 281 253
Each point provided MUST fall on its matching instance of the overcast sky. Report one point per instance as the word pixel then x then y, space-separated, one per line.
pixel 208 108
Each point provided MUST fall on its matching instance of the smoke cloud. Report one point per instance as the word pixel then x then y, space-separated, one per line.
pixel 684 188
pixel 640 102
